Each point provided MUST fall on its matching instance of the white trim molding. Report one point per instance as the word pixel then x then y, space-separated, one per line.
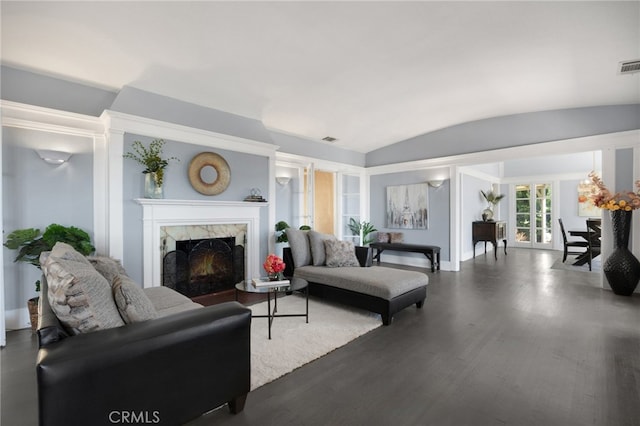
pixel 32 117
pixel 154 128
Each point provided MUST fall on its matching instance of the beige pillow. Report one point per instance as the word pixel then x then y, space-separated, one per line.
pixel 396 237
pixel 383 237
pixel 80 297
pixel 133 304
pixel 340 253
pixel 108 267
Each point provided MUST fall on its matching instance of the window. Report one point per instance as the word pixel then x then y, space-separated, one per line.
pixel 533 212
pixel 350 206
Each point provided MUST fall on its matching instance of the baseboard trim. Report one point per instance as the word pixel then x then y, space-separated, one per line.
pixel 16 319
pixel 413 261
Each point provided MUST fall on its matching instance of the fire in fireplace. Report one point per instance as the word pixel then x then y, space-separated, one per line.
pixel 204 266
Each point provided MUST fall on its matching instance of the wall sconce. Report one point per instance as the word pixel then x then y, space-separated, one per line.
pixel 436 183
pixel 283 180
pixel 53 157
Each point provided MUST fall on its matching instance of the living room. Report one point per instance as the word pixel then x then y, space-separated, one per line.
pixel 98 190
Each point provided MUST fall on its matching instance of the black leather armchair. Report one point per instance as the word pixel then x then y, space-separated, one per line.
pixel 164 371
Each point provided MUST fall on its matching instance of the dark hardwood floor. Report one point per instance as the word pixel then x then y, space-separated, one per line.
pixel 506 342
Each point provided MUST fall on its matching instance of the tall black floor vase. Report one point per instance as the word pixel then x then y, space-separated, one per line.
pixel 621 268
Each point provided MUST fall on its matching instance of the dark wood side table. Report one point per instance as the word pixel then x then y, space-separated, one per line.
pixel 489 231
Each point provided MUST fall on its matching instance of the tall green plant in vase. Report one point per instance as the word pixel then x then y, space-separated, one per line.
pixel 151 159
pixel 362 229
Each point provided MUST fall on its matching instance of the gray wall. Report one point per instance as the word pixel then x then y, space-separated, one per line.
pixel 37 194
pixel 322 151
pixel 624 171
pixel 510 131
pixel 145 104
pixel 36 89
pixel 438 210
pixel 247 172
pixel 471 209
pixel 582 162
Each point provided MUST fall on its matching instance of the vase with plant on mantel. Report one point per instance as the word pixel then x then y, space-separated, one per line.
pixel 621 268
pixel 151 159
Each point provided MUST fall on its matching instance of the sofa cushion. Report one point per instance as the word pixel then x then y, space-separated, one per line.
pixel 316 243
pixel 378 281
pixel 340 253
pixel 132 302
pixel 79 295
pixel 167 301
pixel 108 267
pixel 299 243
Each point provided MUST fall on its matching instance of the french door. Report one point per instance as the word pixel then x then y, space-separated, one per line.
pixel 318 200
pixel 533 215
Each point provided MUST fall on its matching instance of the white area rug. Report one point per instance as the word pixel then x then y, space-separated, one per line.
pixel 294 342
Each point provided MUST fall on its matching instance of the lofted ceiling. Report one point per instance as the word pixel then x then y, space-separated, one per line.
pixel 367 73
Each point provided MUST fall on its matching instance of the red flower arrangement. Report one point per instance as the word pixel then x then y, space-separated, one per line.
pixel 273 265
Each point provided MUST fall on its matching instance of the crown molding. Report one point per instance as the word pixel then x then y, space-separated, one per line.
pixel 127 123
pixel 284 159
pixel 43 119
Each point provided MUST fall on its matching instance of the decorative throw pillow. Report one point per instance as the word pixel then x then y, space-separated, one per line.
pixel 316 242
pixel 340 253
pixel 299 243
pixel 107 266
pixel 133 304
pixel 396 237
pixel 80 297
pixel 383 237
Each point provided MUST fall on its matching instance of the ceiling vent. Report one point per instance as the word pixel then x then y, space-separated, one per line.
pixel 329 139
pixel 628 67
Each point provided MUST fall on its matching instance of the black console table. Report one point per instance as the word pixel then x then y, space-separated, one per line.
pixel 489 231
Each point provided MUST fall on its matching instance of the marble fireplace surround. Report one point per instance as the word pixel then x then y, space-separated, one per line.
pixel 222 216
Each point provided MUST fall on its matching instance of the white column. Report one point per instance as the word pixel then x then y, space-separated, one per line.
pixel 100 195
pixel 115 150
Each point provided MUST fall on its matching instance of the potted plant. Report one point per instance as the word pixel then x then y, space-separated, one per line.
pixel 362 229
pixel 151 159
pixel 492 199
pixel 31 243
pixel 282 235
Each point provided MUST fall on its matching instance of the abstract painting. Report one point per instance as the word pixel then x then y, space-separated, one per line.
pixel 586 208
pixel 407 206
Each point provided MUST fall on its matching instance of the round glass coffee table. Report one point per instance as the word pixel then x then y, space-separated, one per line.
pixel 272 290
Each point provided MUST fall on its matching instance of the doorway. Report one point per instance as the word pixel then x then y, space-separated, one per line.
pixel 324 202
pixel 533 215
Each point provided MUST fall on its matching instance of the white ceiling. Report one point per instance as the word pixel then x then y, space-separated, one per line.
pixel 368 73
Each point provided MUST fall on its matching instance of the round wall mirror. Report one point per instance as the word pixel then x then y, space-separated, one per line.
pixel 209 173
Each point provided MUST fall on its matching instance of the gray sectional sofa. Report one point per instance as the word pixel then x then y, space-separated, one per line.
pixel 339 271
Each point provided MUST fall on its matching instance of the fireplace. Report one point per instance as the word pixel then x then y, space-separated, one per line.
pixel 203 266
pixel 167 222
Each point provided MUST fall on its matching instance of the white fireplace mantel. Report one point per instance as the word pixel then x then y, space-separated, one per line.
pixel 157 213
